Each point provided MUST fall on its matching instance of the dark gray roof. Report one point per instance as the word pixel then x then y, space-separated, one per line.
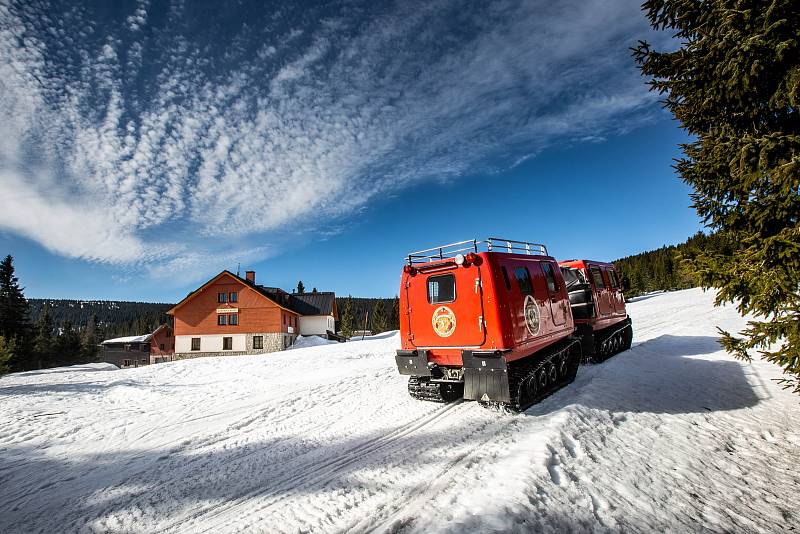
pixel 319 303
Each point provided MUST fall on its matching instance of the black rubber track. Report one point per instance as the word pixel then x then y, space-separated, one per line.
pixel 536 378
pixel 613 343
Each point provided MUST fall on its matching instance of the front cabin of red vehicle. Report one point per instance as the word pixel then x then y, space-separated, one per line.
pixel 598 307
pixel 488 320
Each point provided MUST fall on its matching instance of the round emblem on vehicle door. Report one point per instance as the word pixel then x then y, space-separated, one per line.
pixel 531 315
pixel 444 321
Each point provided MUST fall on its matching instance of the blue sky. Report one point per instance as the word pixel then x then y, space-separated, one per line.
pixel 145 146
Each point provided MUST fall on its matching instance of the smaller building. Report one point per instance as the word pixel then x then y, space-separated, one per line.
pixel 133 351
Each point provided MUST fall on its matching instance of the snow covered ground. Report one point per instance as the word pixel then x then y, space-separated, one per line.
pixel 672 435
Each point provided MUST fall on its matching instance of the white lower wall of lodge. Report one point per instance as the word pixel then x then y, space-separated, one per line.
pixel 211 344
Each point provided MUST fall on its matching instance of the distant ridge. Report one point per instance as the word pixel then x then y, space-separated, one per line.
pixel 114 317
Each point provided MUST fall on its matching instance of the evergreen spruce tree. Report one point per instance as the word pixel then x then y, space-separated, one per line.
pixel 43 339
pixel 347 324
pixel 379 323
pixel 68 346
pixel 394 315
pixel 734 84
pixel 89 341
pixel 6 354
pixel 15 323
pixel 300 287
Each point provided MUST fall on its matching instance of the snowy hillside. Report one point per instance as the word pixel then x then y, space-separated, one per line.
pixel 671 435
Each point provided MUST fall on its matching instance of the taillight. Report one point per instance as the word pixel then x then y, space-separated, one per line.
pixel 410 270
pixel 474 259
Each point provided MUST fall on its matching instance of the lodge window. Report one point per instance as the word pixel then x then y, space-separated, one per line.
pixel 222 297
pixel 233 319
pixel 222 320
pixel 126 363
pixel 233 296
pixel 597 276
pixel 550 277
pixel 195 343
pixel 258 342
pixel 523 280
pixel 227 343
pixel 161 347
pixel 441 288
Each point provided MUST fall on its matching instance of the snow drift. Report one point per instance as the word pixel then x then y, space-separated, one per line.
pixel 671 435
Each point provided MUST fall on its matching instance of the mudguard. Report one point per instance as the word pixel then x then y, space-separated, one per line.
pixel 413 362
pixel 485 376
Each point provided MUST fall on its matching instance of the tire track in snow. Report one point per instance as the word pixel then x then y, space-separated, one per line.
pixel 316 473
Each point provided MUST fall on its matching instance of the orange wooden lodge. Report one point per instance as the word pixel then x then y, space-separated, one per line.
pixel 230 315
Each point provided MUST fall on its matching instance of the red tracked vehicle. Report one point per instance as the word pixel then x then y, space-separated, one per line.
pixel 598 308
pixel 486 320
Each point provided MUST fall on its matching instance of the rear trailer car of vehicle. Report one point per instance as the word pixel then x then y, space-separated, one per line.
pixel 598 308
pixel 487 320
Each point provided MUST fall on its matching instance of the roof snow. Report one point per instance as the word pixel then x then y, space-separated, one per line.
pixel 130 339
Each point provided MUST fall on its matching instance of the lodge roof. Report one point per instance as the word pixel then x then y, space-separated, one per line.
pixel 320 303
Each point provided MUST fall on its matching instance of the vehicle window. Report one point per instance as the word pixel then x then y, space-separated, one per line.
pixel 441 288
pixel 550 276
pixel 612 277
pixel 524 280
pixel 572 277
pixel 505 277
pixel 597 276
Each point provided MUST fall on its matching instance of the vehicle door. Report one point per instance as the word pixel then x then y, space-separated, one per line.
pixel 530 316
pixel 617 302
pixel 446 306
pixel 601 290
pixel 556 294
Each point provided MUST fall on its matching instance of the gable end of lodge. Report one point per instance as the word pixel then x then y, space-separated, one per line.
pixel 230 315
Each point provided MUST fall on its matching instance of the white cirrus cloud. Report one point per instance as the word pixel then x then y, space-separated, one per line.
pixel 145 139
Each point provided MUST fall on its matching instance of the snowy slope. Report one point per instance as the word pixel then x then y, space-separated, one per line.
pixel 672 435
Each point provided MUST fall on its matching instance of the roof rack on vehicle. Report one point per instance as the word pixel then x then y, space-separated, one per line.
pixel 491 244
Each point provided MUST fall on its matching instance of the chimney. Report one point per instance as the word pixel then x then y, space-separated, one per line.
pixel 251 276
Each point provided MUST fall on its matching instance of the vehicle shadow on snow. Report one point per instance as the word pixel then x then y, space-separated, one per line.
pixel 662 375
